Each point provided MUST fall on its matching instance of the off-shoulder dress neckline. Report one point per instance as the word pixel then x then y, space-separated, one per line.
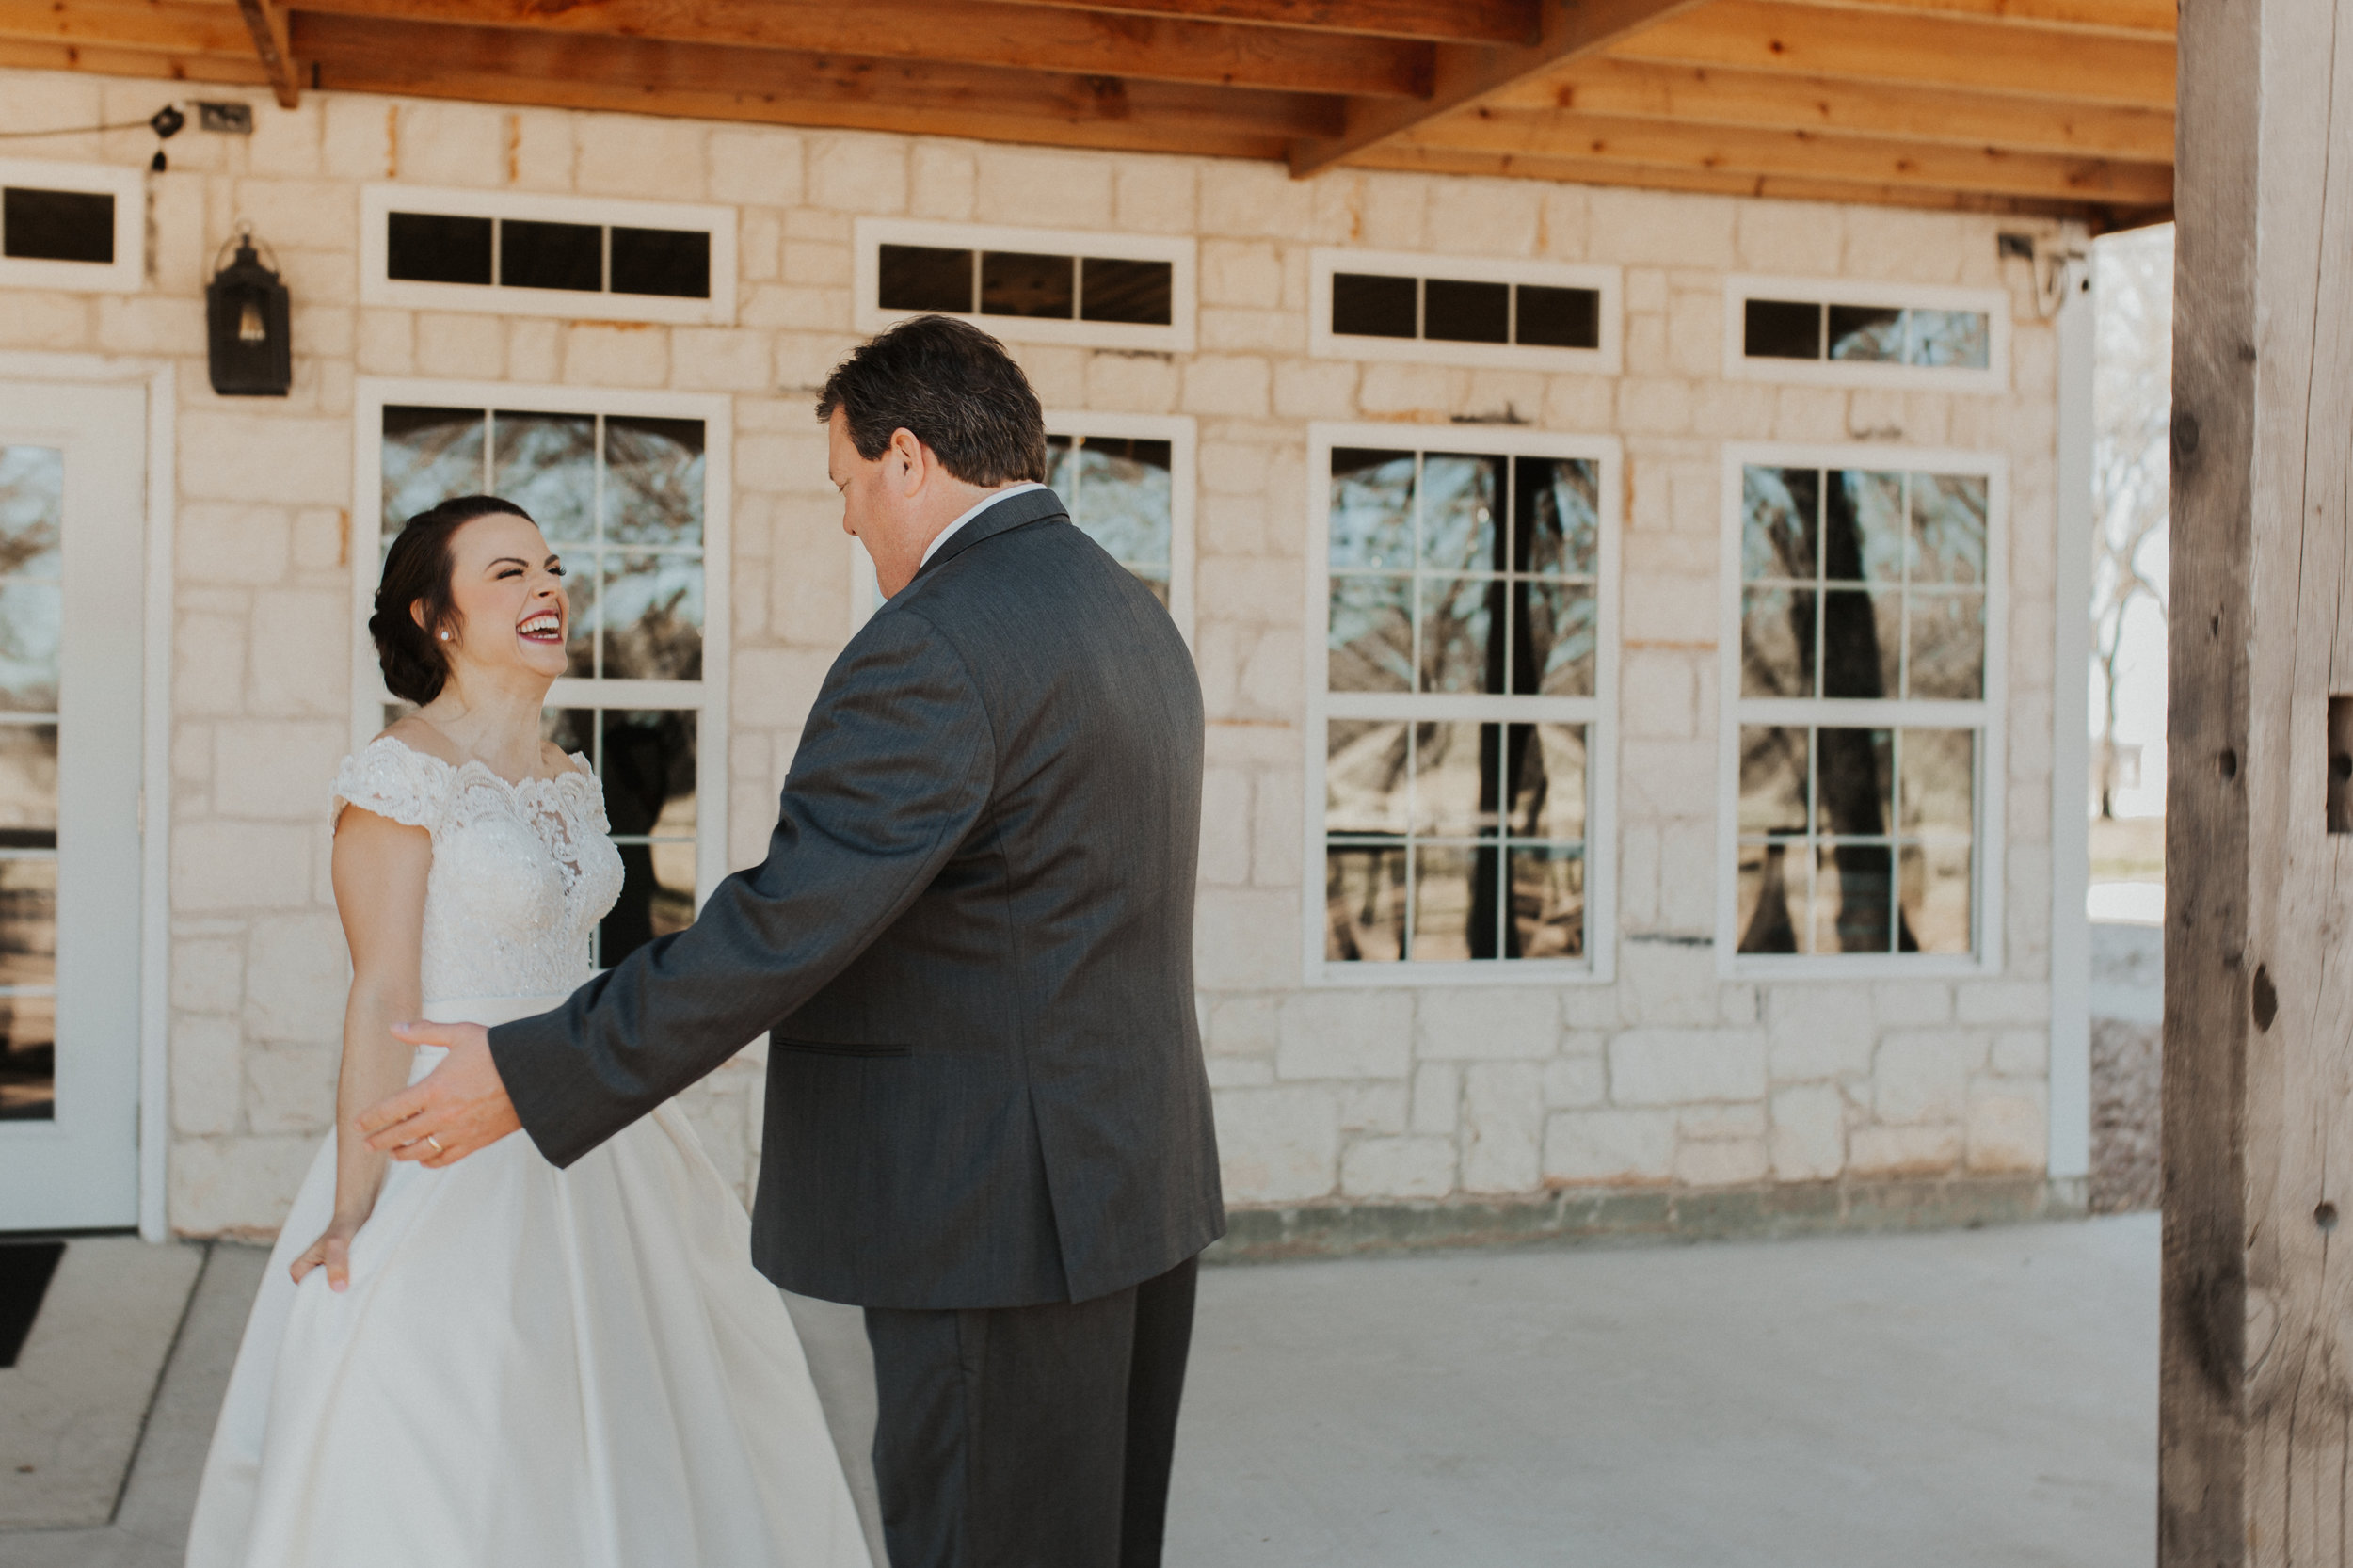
pixel 581 767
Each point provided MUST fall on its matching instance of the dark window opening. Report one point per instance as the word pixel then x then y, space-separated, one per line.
pixel 552 256
pixel 1560 318
pixel 1781 330
pixel 436 248
pixel 674 263
pixel 1366 305
pixel 925 278
pixel 58 225
pixel 1134 292
pixel 1024 283
pixel 1457 311
pixel 1866 332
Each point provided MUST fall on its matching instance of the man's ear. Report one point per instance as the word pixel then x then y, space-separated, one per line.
pixel 906 449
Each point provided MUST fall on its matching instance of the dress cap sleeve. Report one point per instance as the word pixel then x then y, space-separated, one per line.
pixel 393 781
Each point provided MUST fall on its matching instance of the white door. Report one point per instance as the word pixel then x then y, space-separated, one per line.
pixel 72 495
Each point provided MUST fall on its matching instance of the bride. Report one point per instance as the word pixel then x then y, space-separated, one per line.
pixel 502 1363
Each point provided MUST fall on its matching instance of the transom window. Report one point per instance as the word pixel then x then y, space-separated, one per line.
pixel 1857 333
pixel 624 494
pixel 1460 309
pixel 71 226
pixel 1103 290
pixel 1860 727
pixel 1459 735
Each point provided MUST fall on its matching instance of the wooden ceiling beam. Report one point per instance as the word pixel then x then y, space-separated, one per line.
pixel 161 65
pixel 1800 155
pixel 170 27
pixel 2146 19
pixel 972 32
pixel 1996 58
pixel 266 20
pixel 1437 20
pixel 1706 96
pixel 1465 73
pixel 787 87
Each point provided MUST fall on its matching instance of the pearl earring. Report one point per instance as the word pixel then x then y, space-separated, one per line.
pixel 444 636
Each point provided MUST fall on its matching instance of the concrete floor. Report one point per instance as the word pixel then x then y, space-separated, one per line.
pixel 1981 1397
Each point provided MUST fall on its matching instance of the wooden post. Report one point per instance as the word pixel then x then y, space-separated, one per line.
pixel 2256 1448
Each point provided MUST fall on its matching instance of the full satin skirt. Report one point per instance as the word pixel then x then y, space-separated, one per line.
pixel 532 1369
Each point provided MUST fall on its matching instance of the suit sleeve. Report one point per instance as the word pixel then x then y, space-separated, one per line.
pixel 893 771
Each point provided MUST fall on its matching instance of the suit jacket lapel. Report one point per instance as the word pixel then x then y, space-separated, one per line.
pixel 1015 511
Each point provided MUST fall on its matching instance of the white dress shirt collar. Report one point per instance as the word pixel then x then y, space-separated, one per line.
pixel 986 501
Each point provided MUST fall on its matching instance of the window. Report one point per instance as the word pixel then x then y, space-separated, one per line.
pixel 1866 335
pixel 1859 740
pixel 32 514
pixel 1105 291
pixel 630 489
pixel 546 255
pixel 1460 710
pixel 1461 309
pixel 78 227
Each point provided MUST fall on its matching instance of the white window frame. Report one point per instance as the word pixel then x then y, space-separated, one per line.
pixel 1989 838
pixel 1742 288
pixel 708 697
pixel 1324 343
pixel 873 233
pixel 1598 712
pixel 379 200
pixel 127 272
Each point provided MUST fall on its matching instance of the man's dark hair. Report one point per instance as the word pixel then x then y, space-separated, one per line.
pixel 954 388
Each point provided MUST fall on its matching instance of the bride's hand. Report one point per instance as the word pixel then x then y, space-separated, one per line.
pixel 333 1251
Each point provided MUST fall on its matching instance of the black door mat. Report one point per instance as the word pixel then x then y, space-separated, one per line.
pixel 25 1268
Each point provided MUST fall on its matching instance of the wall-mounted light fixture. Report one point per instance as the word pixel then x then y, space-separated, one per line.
pixel 247 311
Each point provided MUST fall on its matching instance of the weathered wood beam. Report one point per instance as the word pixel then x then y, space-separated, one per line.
pixel 2004 58
pixel 161 65
pixel 170 27
pixel 1454 21
pixel 973 32
pixel 1704 95
pixel 1803 154
pixel 266 19
pixel 2255 1379
pixel 2128 18
pixel 1465 73
pixel 499 65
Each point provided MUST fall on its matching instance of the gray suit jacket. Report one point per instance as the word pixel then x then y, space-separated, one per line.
pixel 972 943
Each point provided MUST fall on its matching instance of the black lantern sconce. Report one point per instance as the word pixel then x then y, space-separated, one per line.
pixel 245 310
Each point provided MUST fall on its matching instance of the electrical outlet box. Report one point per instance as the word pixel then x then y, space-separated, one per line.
pixel 235 120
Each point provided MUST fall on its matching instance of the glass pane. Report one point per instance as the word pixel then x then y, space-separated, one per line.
pixel 58 225
pixel 1372 634
pixel 1866 332
pixel 1781 330
pixel 1545 763
pixel 654 482
pixel 28 920
pixel 1118 289
pixel 572 731
pixel 1853 899
pixel 925 278
pixel 1939 780
pixel 437 248
pixel 1779 508
pixel 1556 520
pixel 1461 513
pixel 1863 527
pixel 1547 915
pixel 1933 883
pixel 1365 778
pixel 1557 625
pixel 651 615
pixel 32 510
pixel 1853 780
pixel 28 786
pixel 1364 901
pixel 1862 637
pixel 1771 909
pixel 1024 283
pixel 535 255
pixel 30 629
pixel 1949 528
pixel 1559 318
pixel 1948 338
pixel 1457 907
pixel 1455 781
pixel 647 761
pixel 1365 305
pixel 674 263
pixel 430 454
pixel 1372 509
pixel 1777 642
pixel 580 632
pixel 28 1056
pixel 547 465
pixel 1455 310
pixel 1772 779
pixel 1949 647
pixel 1460 617
pixel 1119 493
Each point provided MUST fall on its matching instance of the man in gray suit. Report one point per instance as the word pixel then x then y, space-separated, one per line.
pixel 971 947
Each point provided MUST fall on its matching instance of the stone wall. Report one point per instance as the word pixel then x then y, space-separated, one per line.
pixel 1670 1075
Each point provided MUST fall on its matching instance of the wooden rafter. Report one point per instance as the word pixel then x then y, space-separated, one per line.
pixel 973 32
pixel 171 26
pixel 1454 21
pixel 266 20
pixel 2124 18
pixel 164 65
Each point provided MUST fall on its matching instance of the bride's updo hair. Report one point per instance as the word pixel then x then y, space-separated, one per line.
pixel 417 571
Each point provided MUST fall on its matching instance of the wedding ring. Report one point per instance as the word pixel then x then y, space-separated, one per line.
pixel 436 1143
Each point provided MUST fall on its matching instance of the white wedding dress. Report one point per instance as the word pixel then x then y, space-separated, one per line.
pixel 532 1367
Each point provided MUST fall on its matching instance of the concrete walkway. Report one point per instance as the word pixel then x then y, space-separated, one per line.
pixel 1982 1398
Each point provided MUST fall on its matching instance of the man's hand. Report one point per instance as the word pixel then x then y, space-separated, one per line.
pixel 461 1106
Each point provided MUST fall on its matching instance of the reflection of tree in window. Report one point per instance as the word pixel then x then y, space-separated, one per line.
pixel 1120 493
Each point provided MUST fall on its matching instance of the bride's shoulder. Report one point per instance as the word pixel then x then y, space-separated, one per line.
pixel 397 774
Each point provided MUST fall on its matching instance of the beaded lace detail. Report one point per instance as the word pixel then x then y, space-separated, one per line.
pixel 521 873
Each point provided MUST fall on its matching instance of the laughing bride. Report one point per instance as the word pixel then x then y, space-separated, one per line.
pixel 500 1362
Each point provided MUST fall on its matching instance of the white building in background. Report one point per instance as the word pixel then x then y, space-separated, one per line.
pixel 1626 621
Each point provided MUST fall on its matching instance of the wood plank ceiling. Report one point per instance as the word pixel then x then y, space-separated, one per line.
pixel 2058 107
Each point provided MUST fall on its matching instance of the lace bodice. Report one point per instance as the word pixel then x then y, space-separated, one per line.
pixel 521 873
